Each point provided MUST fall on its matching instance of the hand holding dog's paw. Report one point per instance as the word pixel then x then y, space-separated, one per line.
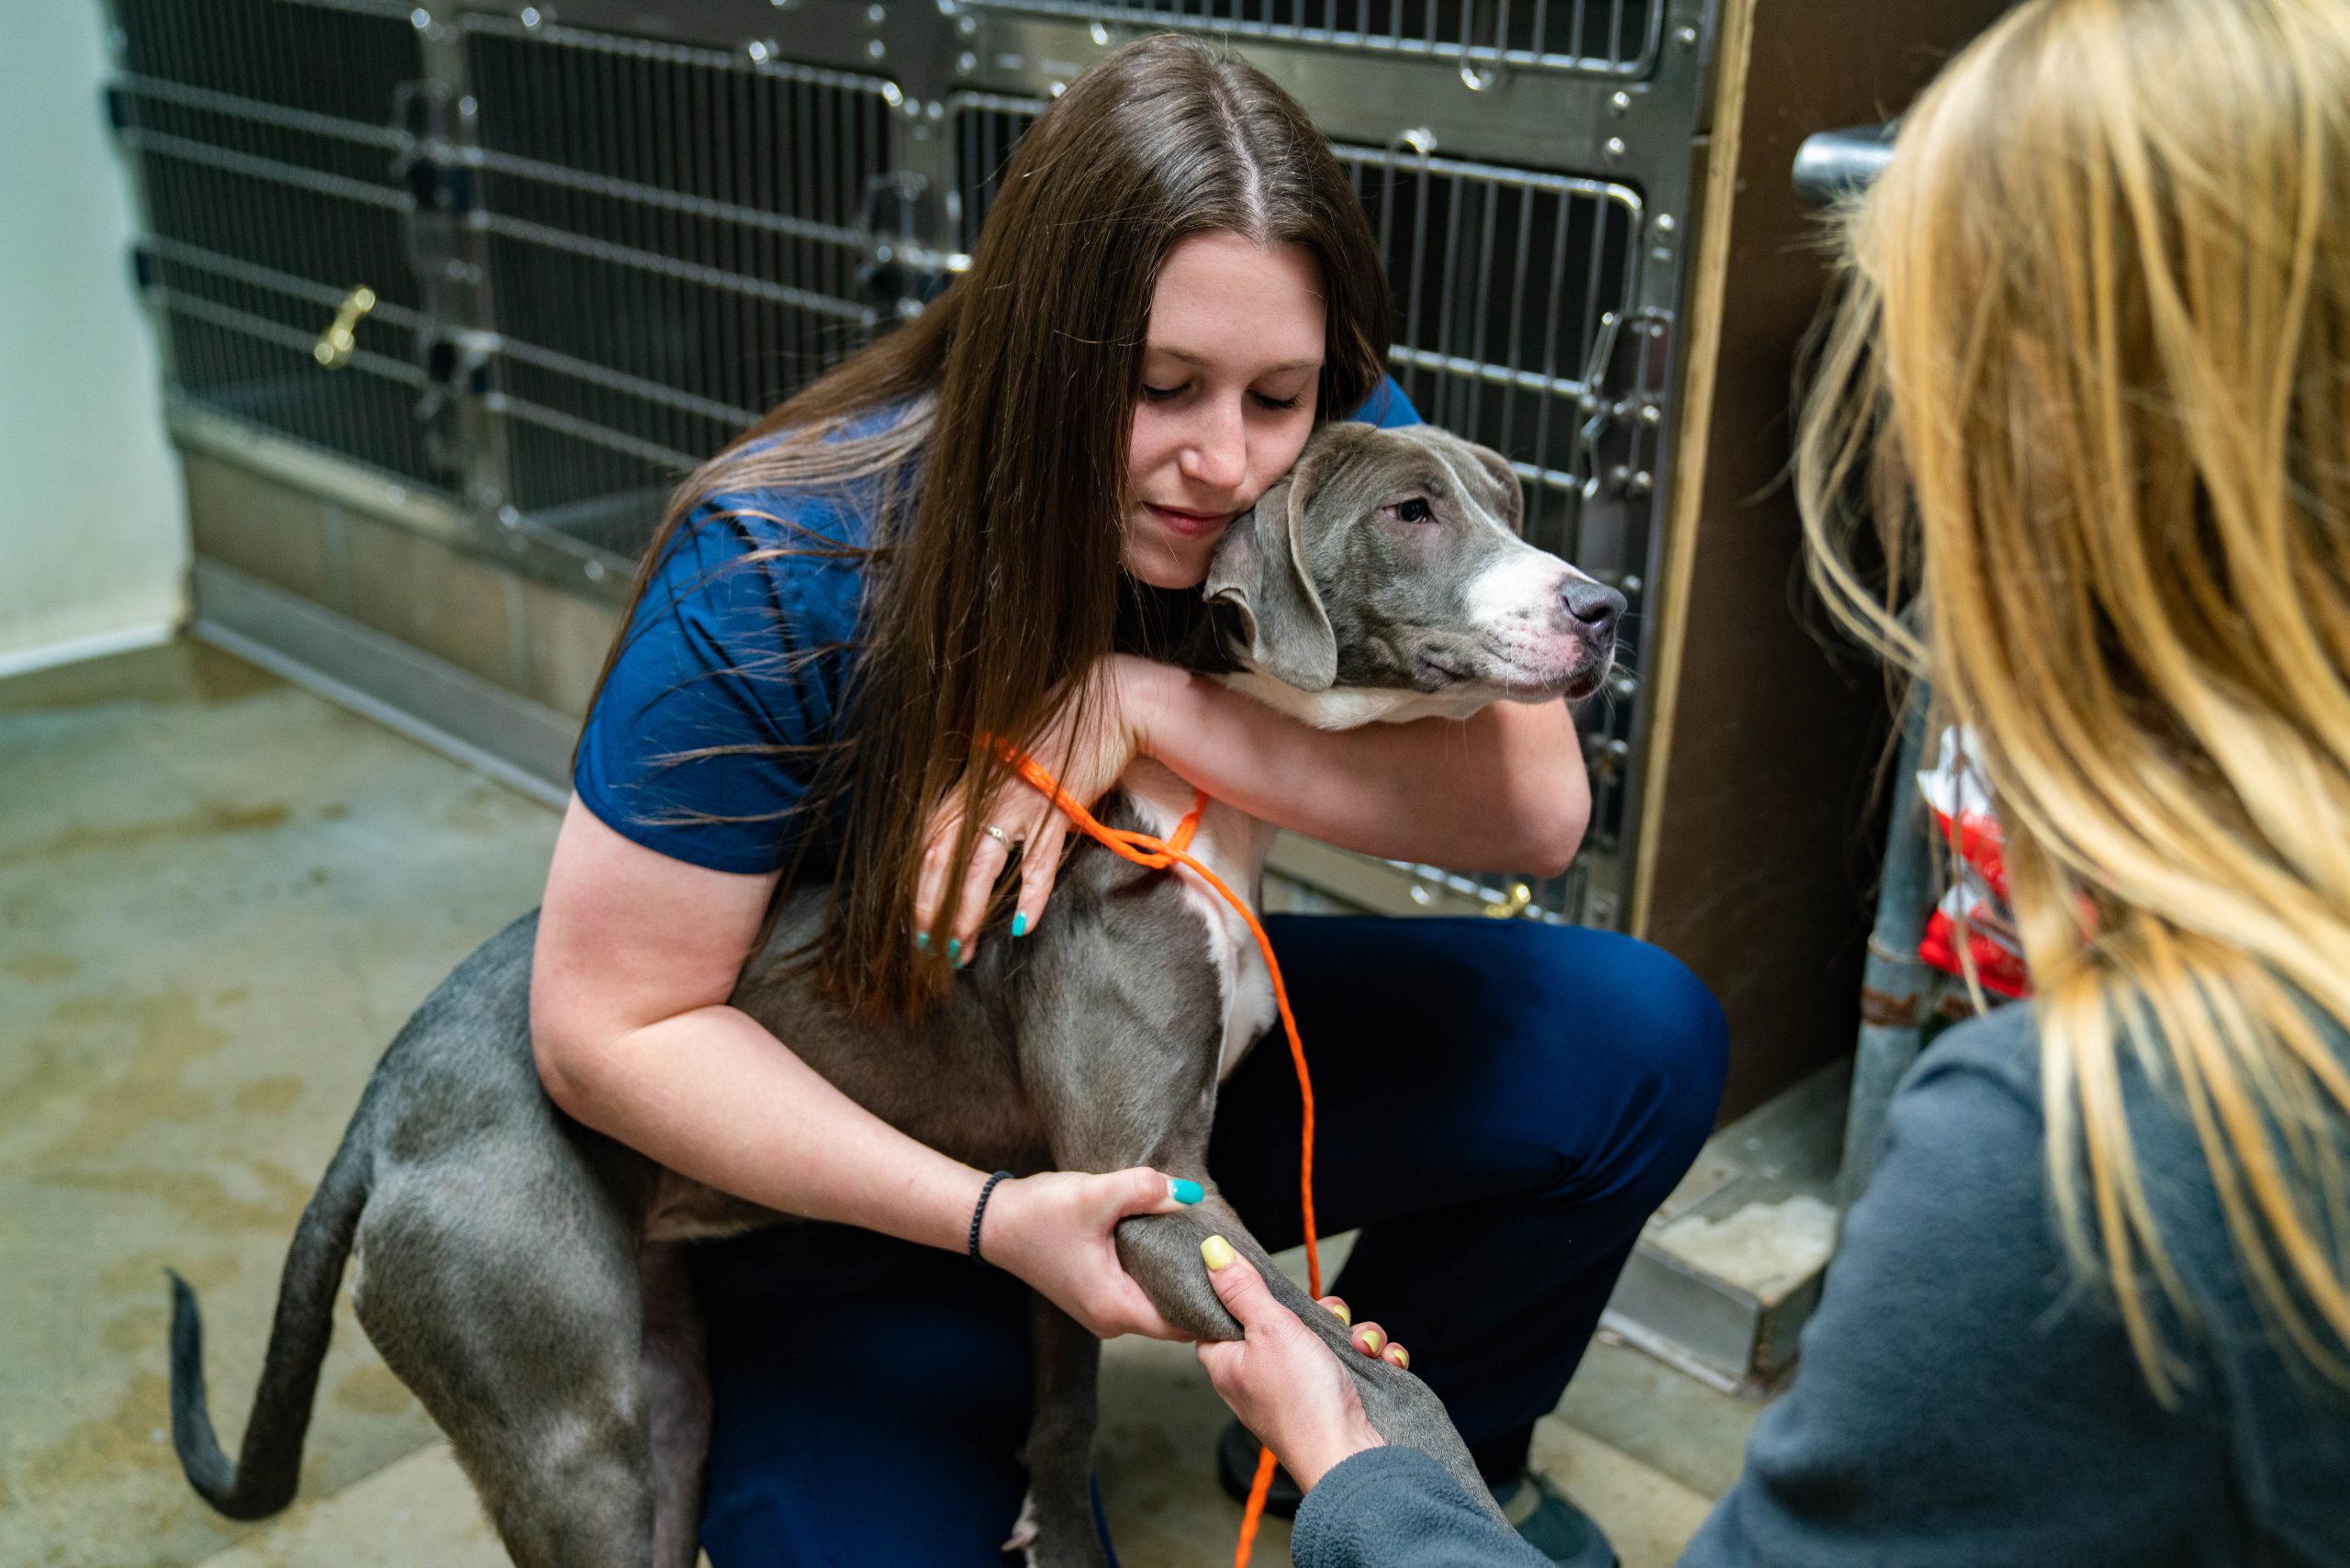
pixel 1282 1379
pixel 1057 1231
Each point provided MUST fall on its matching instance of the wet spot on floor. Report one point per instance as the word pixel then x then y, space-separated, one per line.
pixel 39 968
pixel 207 821
pixel 53 1075
pixel 267 1096
pixel 176 674
pixel 482 808
pixel 142 1272
pixel 166 1037
pixel 128 1437
pixel 202 1199
pixel 142 1328
pixel 230 997
pixel 375 1390
pixel 333 811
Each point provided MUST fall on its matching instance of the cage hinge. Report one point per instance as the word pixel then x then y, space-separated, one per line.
pixel 1623 406
pixel 899 275
pixel 435 179
pixel 427 164
pixel 456 364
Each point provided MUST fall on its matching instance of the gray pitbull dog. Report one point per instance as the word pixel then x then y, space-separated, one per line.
pixel 524 1275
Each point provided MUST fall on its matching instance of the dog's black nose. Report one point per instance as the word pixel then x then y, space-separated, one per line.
pixel 1594 606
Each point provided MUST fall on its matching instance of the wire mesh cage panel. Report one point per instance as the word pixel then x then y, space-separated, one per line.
pixel 268 152
pixel 1604 37
pixel 1502 279
pixel 984 127
pixel 675 239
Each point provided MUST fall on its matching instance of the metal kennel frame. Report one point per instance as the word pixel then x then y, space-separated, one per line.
pixel 519 267
pixel 1602 37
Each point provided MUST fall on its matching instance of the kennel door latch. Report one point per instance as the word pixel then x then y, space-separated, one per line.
pixel 333 349
pixel 1517 903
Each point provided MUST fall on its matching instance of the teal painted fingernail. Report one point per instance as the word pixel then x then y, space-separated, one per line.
pixel 922 941
pixel 1020 925
pixel 954 949
pixel 1184 1191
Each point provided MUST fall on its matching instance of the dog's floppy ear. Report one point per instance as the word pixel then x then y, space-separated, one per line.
pixel 1513 496
pixel 1259 569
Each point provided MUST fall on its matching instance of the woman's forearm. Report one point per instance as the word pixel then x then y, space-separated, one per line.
pixel 715 1097
pixel 1502 791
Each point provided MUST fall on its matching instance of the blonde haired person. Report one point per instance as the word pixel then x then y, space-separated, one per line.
pixel 2092 380
pixel 2096 364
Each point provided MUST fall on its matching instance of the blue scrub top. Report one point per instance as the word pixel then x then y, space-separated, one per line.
pixel 759 658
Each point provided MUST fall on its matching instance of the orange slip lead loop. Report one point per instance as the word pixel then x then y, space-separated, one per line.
pixel 1159 853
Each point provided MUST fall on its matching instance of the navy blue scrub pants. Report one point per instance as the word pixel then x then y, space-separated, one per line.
pixel 1500 1105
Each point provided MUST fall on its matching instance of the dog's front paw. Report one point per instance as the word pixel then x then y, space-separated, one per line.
pixel 1023 1538
pixel 1058 1533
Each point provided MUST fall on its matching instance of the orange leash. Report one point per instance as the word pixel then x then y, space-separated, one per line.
pixel 1159 853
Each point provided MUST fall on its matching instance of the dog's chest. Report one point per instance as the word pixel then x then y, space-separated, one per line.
pixel 1233 845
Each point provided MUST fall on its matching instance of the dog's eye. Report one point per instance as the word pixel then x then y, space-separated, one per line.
pixel 1413 510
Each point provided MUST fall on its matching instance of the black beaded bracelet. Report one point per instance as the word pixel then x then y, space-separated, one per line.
pixel 981 1210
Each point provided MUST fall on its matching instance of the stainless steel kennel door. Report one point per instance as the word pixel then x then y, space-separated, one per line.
pixel 536 261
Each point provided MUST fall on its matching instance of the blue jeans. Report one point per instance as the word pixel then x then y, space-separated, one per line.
pixel 1501 1105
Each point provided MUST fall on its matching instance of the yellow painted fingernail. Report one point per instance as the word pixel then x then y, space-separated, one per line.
pixel 1338 1310
pixel 1400 1356
pixel 1374 1340
pixel 1216 1252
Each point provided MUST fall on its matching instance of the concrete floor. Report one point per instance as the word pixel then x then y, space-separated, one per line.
pixel 219 896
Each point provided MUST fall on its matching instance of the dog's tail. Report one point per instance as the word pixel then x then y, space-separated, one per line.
pixel 263 1478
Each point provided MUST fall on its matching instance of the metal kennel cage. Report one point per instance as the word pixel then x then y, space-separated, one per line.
pixel 269 140
pixel 1611 38
pixel 524 265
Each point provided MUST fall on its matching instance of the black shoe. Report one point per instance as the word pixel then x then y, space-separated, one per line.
pixel 1545 1518
pixel 1551 1525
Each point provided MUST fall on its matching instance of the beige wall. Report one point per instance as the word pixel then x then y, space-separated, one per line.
pixel 93 530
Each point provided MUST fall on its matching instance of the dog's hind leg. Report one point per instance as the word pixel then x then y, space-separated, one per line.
pixel 1055 1527
pixel 676 1391
pixel 521 1333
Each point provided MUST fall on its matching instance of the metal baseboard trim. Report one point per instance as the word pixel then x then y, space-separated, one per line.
pixel 520 744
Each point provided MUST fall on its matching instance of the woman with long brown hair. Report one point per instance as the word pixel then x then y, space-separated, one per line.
pixel 2095 1307
pixel 982 525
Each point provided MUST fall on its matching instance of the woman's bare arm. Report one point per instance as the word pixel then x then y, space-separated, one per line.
pixel 1504 790
pixel 637 953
